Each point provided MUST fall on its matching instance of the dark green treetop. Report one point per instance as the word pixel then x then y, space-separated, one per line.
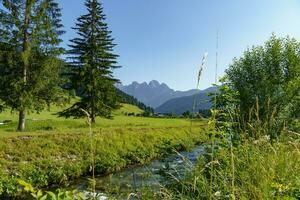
pixel 91 63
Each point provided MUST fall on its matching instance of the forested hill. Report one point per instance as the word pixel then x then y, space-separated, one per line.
pixel 125 98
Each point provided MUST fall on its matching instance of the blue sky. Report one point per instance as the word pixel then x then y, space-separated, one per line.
pixel 165 39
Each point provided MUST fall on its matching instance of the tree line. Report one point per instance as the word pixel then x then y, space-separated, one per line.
pixel 125 98
pixel 33 74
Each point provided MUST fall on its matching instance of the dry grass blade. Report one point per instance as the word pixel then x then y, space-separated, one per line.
pixel 203 62
pixel 204 59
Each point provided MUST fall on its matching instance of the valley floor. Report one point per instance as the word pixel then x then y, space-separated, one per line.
pixel 54 150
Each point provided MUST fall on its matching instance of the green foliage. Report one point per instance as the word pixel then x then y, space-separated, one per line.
pixel 91 63
pixel 187 114
pixel 258 98
pixel 29 54
pixel 262 88
pixel 261 171
pixel 205 113
pixel 60 195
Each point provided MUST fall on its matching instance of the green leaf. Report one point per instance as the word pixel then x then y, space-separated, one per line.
pixel 27 186
pixel 44 197
pixel 52 195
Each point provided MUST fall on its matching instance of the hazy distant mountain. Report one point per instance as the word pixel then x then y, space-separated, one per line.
pixel 179 105
pixel 153 93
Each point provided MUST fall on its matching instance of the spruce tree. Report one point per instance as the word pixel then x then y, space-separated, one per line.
pixel 91 62
pixel 29 55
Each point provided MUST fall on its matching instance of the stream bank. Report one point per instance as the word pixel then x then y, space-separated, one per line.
pixel 58 159
pixel 152 176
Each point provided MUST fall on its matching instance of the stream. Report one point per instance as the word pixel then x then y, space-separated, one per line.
pixel 152 176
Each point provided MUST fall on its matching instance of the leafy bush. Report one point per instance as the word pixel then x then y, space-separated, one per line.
pixel 263 87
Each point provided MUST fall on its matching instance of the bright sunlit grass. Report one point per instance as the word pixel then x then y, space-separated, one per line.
pixel 48 123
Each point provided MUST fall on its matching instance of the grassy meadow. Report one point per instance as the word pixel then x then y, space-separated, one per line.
pixel 47 122
pixel 53 151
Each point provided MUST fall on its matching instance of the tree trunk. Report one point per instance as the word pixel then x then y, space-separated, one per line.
pixel 25 58
pixel 93 119
pixel 21 125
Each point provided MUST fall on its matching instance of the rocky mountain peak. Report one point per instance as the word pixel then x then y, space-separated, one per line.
pixel 153 93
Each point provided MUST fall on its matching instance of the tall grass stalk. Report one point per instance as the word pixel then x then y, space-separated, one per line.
pixel 93 181
pixel 214 118
pixel 232 168
pixel 203 62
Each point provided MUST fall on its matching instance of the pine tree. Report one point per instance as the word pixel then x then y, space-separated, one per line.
pixel 91 63
pixel 29 55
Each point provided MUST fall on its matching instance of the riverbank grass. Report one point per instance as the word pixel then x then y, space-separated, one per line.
pixel 54 150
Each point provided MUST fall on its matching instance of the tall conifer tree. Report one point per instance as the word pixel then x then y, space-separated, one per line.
pixel 29 55
pixel 91 63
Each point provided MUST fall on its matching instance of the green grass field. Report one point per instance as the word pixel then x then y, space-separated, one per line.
pixel 55 150
pixel 47 122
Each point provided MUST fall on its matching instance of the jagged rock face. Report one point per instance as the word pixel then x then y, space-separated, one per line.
pixel 153 93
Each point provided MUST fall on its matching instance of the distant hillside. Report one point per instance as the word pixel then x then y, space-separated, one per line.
pixel 128 108
pixel 153 93
pixel 127 99
pixel 179 105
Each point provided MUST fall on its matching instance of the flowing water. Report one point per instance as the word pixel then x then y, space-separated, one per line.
pixel 152 176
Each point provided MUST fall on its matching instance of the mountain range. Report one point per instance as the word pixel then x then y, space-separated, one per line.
pixel 153 93
pixel 192 103
pixel 166 100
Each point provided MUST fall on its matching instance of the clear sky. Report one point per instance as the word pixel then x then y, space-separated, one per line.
pixel 165 39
